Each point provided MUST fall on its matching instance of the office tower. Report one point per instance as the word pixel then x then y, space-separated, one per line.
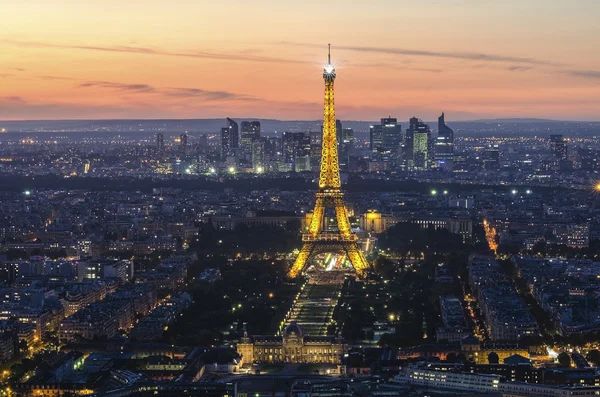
pixel 273 148
pixel 249 131
pixel 417 154
pixel 559 152
pixel 258 154
pixel 229 138
pixel 315 148
pixel 288 148
pixel 346 147
pixel 386 139
pixel 420 150
pixel 376 138
pixel 183 144
pixel 160 144
pixel 338 132
pixel 444 145
pixel 225 142
pixel 234 135
pixel 491 158
pixel 296 149
pixel 330 195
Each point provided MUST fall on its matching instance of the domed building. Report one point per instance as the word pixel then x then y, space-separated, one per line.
pixel 293 346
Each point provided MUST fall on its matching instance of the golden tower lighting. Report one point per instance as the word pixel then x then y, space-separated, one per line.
pixel 329 195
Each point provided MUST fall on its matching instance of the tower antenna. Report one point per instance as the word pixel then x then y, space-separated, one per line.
pixel 329 54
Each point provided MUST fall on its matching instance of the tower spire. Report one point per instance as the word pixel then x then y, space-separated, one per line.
pixel 329 54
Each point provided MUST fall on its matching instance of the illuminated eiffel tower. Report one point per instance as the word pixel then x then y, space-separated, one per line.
pixel 330 195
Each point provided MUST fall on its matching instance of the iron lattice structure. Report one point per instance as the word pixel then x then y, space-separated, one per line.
pixel 330 195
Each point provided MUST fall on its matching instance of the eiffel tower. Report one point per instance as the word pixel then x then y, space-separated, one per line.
pixel 330 195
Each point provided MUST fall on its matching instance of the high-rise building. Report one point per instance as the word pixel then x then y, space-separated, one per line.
pixel 386 139
pixel 296 149
pixel 420 152
pixel 346 148
pixel 258 154
pixel 160 144
pixel 559 152
pixel 491 158
pixel 229 138
pixel 225 142
pixel 315 148
pixel 234 134
pixel 417 154
pixel 183 141
pixel 376 138
pixel 444 145
pixel 249 131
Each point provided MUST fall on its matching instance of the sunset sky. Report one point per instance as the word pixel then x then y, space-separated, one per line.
pixel 81 59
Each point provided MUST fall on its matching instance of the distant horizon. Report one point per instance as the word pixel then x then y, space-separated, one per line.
pixel 448 120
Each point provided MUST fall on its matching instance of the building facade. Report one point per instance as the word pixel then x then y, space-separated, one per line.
pixel 291 347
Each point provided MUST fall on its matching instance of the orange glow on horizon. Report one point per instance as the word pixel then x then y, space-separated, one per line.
pixel 105 59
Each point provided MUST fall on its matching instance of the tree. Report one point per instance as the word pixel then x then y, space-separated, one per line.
pixel 594 357
pixel 564 359
pixel 539 247
pixel 493 358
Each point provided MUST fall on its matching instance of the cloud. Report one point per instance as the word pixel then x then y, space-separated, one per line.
pixel 205 94
pixel 469 56
pixel 174 92
pixel 54 78
pixel 11 99
pixel 119 86
pixel 6 75
pixel 239 56
pixel 519 68
pixel 391 66
pixel 588 74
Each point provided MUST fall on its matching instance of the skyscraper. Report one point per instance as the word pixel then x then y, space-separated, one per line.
pixel 234 134
pixel 560 153
pixel 229 138
pixel 417 145
pixel 346 148
pixel 183 144
pixel 444 145
pixel 160 144
pixel 491 158
pixel 249 131
pixel 386 138
pixel 258 154
pixel 225 142
pixel 296 151
pixel 315 148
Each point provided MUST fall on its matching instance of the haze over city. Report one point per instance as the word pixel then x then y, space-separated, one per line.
pixel 94 59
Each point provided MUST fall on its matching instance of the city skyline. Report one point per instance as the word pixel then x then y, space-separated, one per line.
pixel 397 58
